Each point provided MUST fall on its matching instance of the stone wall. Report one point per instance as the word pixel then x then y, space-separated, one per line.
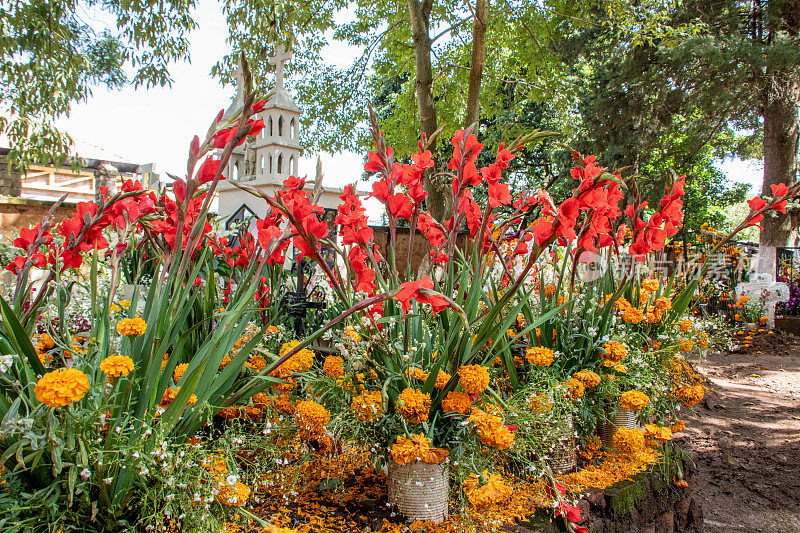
pixel 16 213
pixel 421 246
pixel 650 502
pixel 10 181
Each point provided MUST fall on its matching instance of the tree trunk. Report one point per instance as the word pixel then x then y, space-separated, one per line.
pixel 477 63
pixel 781 135
pixel 423 87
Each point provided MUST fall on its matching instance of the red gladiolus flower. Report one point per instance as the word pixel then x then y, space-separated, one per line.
pixel 400 206
pixel 208 170
pixel 255 127
pixel 374 162
pixel 259 106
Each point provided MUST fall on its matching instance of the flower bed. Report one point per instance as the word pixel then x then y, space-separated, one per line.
pixel 191 406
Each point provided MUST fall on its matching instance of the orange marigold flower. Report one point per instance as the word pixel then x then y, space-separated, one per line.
pixel 441 379
pixel 351 333
pixel 131 327
pixel 575 388
pixel 633 400
pixel 311 419
pixel 628 440
pixel 678 426
pixel 690 395
pixel 233 495
pixel 116 365
pixel 368 406
pixel 61 387
pixel 658 433
pixel 333 366
pixel 416 373
pixel 685 345
pixel 614 351
pixel 540 356
pixel 256 362
pixel 179 371
pixel 299 362
pixel 540 403
pixel 663 303
pixel 495 491
pixel 632 315
pixel 405 450
pixel 588 378
pixel 650 285
pixel 413 405
pixel 456 402
pixel 491 430
pixel 686 325
pixel 473 378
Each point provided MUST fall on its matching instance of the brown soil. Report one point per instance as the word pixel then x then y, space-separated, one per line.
pixel 746 434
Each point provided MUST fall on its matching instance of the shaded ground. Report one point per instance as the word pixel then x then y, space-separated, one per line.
pixel 747 437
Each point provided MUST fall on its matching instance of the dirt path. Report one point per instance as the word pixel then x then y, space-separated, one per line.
pixel 747 438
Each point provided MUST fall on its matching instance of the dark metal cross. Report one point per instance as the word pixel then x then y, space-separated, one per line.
pixel 297 302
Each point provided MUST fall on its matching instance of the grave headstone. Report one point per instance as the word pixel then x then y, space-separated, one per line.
pixel 765 287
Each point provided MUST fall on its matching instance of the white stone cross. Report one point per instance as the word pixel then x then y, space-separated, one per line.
pixel 775 292
pixel 281 55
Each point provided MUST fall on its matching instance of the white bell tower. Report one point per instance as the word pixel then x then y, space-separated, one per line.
pixel 266 160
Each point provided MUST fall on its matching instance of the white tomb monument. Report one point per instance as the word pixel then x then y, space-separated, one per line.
pixel 772 292
pixel 266 160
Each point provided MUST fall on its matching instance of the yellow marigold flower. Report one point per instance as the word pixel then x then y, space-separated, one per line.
pixel 333 366
pixel 521 320
pixel 737 317
pixel 179 371
pixel 650 285
pixel 131 327
pixel 414 405
pixel 540 356
pixel 659 433
pixel 405 450
pixel 456 401
pixel 311 419
pixel 494 492
pixel 491 430
pixel 628 440
pixel 473 378
pixel 690 395
pixel 233 495
pixel 61 387
pixel 575 388
pixel 763 320
pixel 614 351
pixel 685 345
pixel 686 325
pixel 742 300
pixel 125 304
pixel 588 378
pixel 368 406
pixel 351 333
pixel 116 365
pixel 633 400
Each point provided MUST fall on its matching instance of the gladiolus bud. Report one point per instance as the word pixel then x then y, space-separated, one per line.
pixel 194 147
